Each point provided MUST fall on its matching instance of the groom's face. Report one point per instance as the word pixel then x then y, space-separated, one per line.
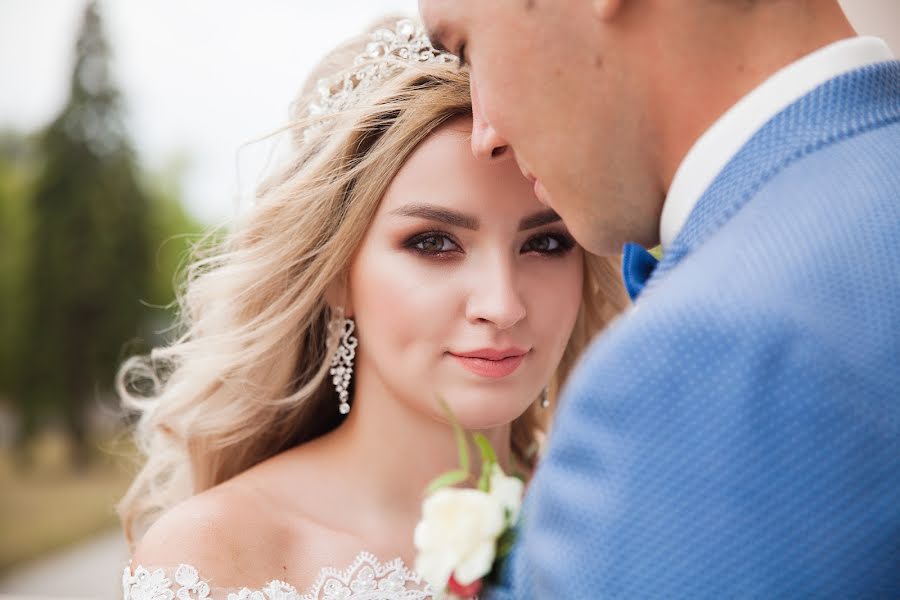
pixel 548 82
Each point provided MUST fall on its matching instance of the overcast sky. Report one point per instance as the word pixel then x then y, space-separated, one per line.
pixel 200 77
pixel 203 77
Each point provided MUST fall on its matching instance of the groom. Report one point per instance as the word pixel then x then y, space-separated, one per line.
pixel 736 434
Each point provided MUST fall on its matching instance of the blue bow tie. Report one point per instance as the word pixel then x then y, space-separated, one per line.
pixel 637 267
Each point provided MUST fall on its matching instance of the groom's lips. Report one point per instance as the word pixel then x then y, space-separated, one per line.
pixel 540 192
pixel 490 362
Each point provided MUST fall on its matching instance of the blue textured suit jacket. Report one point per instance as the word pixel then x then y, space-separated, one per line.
pixel 738 434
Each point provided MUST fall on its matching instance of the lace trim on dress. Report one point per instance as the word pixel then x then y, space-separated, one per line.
pixel 365 579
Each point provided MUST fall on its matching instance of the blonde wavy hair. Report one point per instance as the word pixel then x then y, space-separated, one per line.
pixel 247 377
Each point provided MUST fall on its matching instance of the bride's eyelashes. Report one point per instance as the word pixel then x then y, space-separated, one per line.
pixel 549 243
pixel 433 244
pixel 441 245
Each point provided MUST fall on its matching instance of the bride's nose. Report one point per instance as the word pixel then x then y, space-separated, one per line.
pixel 486 142
pixel 495 298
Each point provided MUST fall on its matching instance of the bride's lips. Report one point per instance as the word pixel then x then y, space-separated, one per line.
pixel 490 362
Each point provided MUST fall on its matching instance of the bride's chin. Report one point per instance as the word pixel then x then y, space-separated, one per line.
pixel 484 412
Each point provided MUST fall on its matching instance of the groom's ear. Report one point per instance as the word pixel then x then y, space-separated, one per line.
pixel 606 10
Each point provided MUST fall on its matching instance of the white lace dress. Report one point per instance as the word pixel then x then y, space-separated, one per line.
pixel 365 579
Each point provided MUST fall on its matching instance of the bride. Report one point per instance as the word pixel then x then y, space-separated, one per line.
pixel 290 432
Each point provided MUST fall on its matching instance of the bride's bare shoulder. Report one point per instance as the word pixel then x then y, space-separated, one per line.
pixel 243 533
pixel 227 533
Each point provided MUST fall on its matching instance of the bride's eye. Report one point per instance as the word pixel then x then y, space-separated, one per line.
pixel 432 244
pixel 549 244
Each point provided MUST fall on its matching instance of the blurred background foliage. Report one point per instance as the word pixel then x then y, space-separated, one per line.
pixel 89 249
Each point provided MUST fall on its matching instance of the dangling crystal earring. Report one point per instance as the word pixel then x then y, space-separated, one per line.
pixel 342 361
pixel 545 401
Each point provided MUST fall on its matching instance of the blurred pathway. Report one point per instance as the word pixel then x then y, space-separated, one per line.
pixel 90 570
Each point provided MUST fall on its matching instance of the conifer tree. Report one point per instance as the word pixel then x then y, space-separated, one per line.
pixel 90 260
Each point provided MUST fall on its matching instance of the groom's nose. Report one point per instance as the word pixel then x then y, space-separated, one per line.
pixel 486 142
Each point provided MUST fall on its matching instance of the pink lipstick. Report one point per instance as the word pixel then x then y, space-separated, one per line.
pixel 490 362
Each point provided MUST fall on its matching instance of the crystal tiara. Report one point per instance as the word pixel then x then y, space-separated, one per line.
pixel 386 53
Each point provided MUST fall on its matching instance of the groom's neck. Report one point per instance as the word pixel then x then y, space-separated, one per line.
pixel 718 51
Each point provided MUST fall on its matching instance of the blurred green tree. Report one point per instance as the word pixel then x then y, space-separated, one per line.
pixel 16 174
pixel 173 234
pixel 90 256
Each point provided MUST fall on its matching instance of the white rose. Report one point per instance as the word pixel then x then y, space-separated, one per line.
pixel 508 492
pixel 457 535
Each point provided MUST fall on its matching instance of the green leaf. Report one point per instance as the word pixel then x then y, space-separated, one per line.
pixel 461 442
pixel 488 460
pixel 484 482
pixel 488 456
pixel 505 543
pixel 448 479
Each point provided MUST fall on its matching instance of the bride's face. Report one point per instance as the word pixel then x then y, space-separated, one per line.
pixel 465 287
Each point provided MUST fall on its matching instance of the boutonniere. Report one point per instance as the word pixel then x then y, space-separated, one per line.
pixel 465 532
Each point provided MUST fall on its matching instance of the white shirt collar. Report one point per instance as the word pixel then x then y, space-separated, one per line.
pixel 718 145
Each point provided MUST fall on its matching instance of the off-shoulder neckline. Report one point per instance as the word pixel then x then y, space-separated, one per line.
pixel 365 574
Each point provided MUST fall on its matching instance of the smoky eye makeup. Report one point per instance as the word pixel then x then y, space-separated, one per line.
pixel 549 243
pixel 441 245
pixel 432 244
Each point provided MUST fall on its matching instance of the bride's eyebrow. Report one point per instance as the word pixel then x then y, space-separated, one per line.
pixel 439 214
pixel 545 217
pixel 453 218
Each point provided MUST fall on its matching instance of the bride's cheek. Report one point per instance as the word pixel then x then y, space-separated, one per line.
pixel 404 301
pixel 556 296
